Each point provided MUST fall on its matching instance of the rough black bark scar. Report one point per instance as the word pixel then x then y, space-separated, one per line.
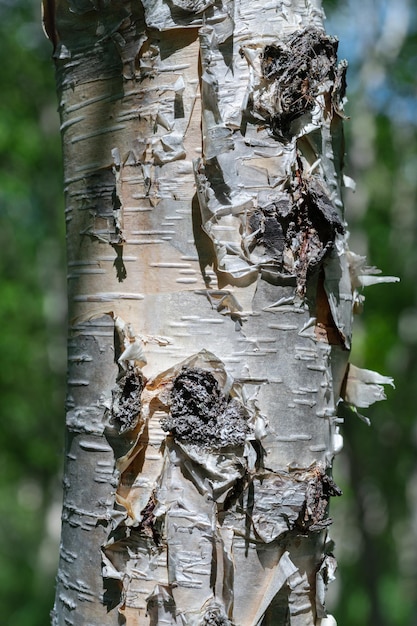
pixel 202 415
pixel 297 232
pixel 294 73
pixel 126 400
pixel 320 488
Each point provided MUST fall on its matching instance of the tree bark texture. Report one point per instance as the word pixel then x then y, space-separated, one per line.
pixel 211 292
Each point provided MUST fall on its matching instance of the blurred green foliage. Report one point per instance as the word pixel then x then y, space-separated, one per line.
pixel 32 318
pixel 376 520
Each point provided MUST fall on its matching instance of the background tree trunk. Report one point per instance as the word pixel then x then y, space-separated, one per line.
pixel 211 293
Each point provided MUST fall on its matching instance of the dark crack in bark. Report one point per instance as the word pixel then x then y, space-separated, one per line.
pixel 148 524
pixel 126 400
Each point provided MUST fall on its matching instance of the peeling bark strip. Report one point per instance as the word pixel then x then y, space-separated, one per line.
pixel 211 295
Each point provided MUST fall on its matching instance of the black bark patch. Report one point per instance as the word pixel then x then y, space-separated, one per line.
pixel 201 414
pixel 312 232
pixel 296 233
pixel 148 524
pixel 298 68
pixel 320 488
pixel 269 230
pixel 126 400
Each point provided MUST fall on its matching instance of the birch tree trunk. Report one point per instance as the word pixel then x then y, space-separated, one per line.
pixel 211 294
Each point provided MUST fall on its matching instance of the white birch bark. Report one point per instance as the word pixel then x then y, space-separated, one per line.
pixel 211 293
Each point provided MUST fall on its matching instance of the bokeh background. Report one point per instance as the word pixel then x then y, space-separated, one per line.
pixel 375 522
